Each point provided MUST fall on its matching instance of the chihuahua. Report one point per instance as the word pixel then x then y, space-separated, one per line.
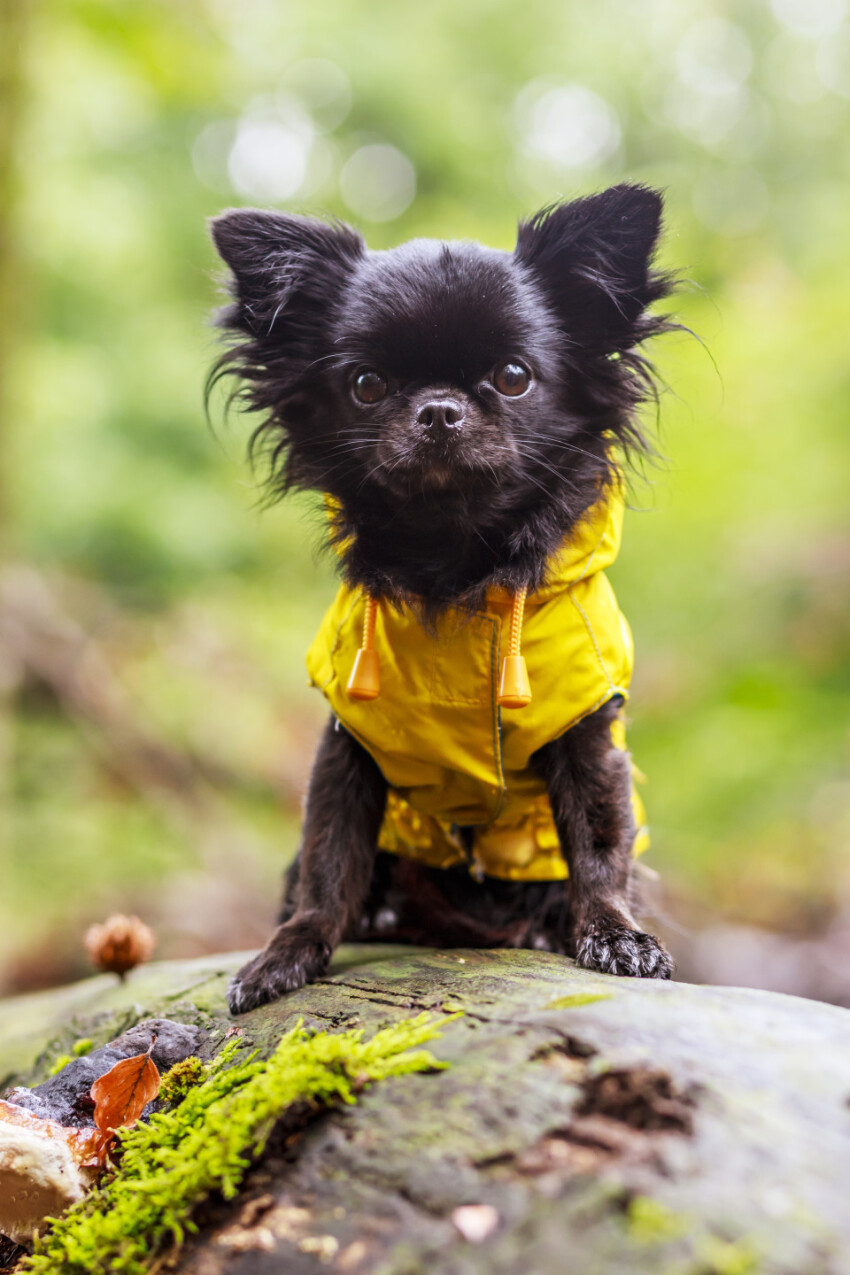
pixel 465 413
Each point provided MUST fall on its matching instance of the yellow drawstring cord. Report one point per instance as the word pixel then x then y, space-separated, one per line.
pixel 515 690
pixel 365 680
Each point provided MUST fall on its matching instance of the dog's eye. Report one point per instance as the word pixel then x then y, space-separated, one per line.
pixel 511 379
pixel 369 387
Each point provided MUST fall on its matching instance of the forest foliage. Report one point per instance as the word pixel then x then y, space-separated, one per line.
pixel 155 724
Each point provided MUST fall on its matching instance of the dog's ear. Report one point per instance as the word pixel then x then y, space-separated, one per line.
pixel 592 258
pixel 286 272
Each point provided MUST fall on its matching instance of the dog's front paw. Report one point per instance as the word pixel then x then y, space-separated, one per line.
pixel 295 955
pixel 612 948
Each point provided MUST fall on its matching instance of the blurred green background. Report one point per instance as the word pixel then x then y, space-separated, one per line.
pixel 155 724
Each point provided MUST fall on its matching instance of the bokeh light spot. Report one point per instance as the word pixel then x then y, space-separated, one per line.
pixel 714 57
pixel 567 125
pixel 378 182
pixel 268 159
pixel 210 154
pixel 832 62
pixel 814 18
pixel 323 87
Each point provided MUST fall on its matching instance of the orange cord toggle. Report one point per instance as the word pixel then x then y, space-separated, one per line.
pixel 365 680
pixel 515 689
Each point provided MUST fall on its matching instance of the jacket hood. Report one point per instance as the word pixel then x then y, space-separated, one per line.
pixel 591 546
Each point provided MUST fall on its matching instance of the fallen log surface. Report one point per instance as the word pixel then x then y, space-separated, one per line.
pixel 586 1123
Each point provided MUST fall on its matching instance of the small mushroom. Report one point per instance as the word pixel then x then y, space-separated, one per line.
pixel 41 1173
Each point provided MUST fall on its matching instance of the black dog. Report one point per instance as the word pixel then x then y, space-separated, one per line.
pixel 463 409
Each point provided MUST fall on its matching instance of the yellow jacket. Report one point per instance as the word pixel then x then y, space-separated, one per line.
pixel 450 755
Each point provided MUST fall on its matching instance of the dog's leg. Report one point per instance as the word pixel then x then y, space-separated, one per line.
pixel 291 881
pixel 345 806
pixel 589 782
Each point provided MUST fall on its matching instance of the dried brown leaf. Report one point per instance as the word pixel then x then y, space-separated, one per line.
pixel 121 1095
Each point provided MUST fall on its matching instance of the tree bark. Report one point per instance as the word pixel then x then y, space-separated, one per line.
pixel 588 1123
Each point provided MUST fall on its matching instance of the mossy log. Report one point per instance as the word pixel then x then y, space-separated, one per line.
pixel 586 1123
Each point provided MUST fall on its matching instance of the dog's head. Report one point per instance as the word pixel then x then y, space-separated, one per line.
pixel 446 383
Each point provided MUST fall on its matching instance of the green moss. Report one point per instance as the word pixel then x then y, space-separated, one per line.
pixel 651 1222
pixel 578 998
pixel 182 1077
pixel 720 1257
pixel 78 1049
pixel 169 1165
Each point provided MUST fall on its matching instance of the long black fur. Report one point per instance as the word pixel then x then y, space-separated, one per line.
pixel 435 517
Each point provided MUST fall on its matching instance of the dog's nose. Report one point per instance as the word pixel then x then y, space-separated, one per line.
pixel 440 414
